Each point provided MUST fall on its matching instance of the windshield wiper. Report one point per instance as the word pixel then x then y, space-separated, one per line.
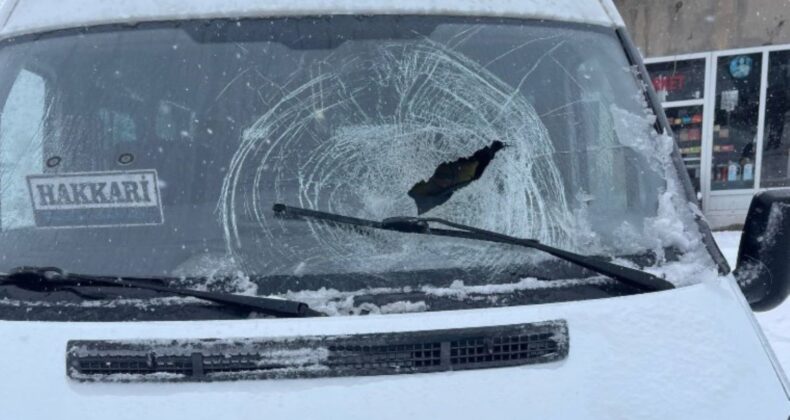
pixel 46 279
pixel 421 225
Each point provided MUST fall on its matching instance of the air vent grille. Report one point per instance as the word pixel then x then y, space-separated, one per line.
pixel 323 356
pixel 507 348
pixel 397 356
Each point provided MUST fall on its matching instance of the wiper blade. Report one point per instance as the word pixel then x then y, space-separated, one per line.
pixel 44 279
pixel 422 225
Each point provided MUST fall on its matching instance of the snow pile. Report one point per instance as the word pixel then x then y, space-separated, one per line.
pixel 675 224
pixel 215 272
pixel 336 302
pixel 729 242
pixel 459 290
pixel 669 228
pixel 140 304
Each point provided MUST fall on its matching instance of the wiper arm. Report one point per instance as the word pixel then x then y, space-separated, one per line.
pixel 421 225
pixel 45 279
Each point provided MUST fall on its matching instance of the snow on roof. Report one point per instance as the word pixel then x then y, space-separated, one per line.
pixel 29 16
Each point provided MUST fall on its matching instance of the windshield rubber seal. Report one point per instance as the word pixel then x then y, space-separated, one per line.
pixel 112 27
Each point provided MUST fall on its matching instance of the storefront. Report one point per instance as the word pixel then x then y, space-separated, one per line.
pixel 730 114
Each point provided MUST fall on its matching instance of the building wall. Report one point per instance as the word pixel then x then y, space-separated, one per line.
pixel 669 27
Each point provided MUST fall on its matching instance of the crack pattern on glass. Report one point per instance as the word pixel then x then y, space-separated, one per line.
pixel 358 135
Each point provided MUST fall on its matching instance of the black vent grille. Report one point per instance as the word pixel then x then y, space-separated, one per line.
pixel 310 357
pixel 501 349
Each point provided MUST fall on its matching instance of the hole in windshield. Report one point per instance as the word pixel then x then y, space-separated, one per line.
pixel 452 176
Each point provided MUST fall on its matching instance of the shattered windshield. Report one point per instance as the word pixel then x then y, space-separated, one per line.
pixel 160 149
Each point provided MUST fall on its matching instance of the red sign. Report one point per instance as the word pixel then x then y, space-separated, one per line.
pixel 670 83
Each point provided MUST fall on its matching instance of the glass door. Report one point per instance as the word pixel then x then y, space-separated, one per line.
pixel 736 118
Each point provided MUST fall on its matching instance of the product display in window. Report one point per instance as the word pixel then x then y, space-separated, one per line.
pixel 686 123
pixel 735 121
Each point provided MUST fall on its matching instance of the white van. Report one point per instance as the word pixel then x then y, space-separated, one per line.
pixel 361 209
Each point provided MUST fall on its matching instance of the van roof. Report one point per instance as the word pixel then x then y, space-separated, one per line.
pixel 30 16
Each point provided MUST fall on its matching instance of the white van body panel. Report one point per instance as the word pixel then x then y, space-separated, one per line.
pixel 28 16
pixel 688 353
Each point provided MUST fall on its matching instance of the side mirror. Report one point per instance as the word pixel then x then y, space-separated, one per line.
pixel 763 270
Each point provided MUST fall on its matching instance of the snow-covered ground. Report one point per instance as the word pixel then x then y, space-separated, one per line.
pixel 775 323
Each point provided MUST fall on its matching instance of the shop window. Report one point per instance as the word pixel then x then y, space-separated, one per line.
pixel 684 81
pixel 776 140
pixel 735 123
pixel 678 80
pixel 686 123
pixel 20 148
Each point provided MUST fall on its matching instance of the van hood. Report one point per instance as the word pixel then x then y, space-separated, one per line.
pixel 693 352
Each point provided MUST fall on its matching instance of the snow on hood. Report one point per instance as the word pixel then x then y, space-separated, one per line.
pixel 687 353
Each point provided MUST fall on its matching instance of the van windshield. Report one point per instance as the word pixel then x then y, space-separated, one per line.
pixel 159 149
